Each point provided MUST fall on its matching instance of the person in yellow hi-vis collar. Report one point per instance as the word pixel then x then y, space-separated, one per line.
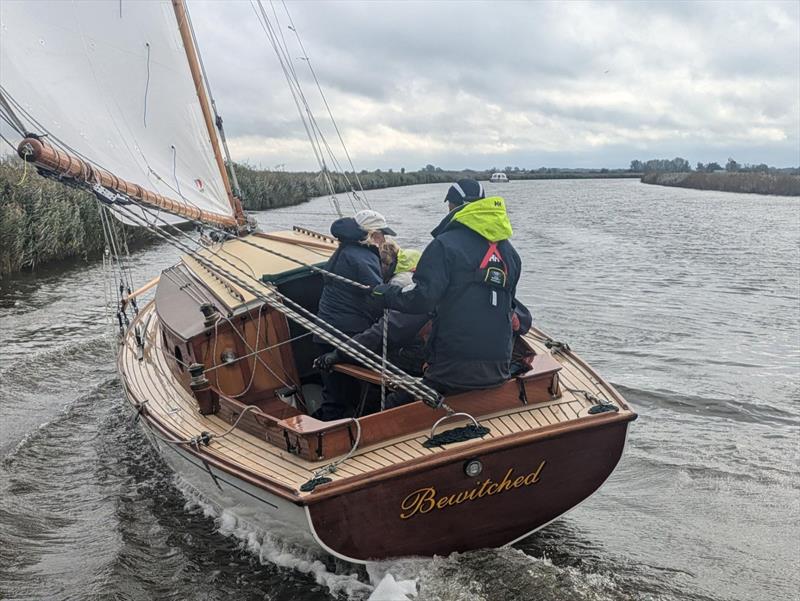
pixel 467 279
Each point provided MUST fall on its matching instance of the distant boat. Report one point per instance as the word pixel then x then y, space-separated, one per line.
pixel 219 366
pixel 499 177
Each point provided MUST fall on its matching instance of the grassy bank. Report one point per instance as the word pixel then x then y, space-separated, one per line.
pixel 272 189
pixel 780 184
pixel 43 221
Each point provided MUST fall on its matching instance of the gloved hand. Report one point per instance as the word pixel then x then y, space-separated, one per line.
pixel 381 289
pixel 327 361
pixel 379 297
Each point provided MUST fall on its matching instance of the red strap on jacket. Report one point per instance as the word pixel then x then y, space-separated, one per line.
pixel 490 254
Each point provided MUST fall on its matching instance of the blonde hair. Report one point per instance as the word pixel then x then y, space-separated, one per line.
pixel 389 250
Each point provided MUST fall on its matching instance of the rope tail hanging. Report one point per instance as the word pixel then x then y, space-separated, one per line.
pixel 24 170
pixel 147 81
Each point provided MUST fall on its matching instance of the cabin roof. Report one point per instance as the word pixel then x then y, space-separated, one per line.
pixel 252 255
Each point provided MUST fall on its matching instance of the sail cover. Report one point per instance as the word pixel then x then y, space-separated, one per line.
pixel 111 82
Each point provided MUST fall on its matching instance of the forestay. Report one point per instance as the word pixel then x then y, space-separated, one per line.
pixel 111 80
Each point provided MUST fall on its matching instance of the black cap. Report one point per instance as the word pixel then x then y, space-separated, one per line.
pixel 464 190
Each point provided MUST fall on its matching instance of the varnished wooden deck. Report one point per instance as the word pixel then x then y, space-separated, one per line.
pixel 167 402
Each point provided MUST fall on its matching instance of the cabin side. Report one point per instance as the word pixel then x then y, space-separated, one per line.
pixel 246 362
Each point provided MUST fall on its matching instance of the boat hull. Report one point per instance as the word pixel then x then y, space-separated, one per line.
pixel 522 487
pixel 253 505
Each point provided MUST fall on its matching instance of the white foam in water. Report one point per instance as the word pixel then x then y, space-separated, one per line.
pixel 457 577
pixel 395 579
pixel 270 549
pixel 389 589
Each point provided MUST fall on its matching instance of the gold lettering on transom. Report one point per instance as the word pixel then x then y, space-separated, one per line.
pixel 425 500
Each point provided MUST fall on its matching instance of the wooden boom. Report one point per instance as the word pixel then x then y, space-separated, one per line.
pixel 45 156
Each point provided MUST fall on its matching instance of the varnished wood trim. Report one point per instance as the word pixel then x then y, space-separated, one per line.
pixel 466 450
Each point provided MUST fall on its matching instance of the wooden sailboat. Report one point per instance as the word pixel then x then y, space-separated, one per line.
pixel 218 365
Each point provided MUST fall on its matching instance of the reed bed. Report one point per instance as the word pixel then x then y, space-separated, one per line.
pixel 43 221
pixel 779 184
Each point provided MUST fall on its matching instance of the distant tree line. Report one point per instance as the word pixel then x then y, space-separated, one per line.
pixel 681 165
pixel 268 189
pixel 751 182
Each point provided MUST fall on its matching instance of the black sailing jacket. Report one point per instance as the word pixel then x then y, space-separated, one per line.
pixel 471 341
pixel 342 305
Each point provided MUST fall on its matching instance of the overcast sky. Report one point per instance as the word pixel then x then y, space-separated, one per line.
pixel 482 84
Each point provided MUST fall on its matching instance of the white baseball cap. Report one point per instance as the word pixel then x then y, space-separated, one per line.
pixel 372 220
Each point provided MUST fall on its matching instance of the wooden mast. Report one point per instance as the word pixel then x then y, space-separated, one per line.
pixel 191 55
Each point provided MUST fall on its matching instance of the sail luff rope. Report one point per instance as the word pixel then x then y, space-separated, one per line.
pixel 187 41
pixel 306 319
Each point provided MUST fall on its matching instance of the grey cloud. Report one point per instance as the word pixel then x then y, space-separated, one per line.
pixel 673 74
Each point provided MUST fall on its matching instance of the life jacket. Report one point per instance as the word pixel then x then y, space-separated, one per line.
pixel 492 272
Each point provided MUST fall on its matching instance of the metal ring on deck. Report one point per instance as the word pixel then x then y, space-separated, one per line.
pixel 446 417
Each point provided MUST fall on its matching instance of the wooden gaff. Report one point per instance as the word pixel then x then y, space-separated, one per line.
pixel 52 159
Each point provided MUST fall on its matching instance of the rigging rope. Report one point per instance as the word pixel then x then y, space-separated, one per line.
pixel 313 130
pixel 312 119
pixel 203 438
pixel 385 336
pixel 24 170
pixel 303 317
pixel 327 106
pixel 8 114
pixel 319 475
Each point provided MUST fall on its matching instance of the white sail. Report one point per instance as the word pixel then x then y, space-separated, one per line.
pixel 111 81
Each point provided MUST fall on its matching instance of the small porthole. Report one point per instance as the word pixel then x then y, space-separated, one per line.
pixel 179 358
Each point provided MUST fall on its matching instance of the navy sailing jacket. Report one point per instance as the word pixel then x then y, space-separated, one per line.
pixel 342 305
pixel 469 286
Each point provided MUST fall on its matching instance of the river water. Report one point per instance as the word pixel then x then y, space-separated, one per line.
pixel 687 301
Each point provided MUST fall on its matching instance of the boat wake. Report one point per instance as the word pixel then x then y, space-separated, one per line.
pixel 268 549
pixel 458 577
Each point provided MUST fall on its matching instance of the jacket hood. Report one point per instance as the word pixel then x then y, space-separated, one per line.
pixel 347 229
pixel 407 260
pixel 486 217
